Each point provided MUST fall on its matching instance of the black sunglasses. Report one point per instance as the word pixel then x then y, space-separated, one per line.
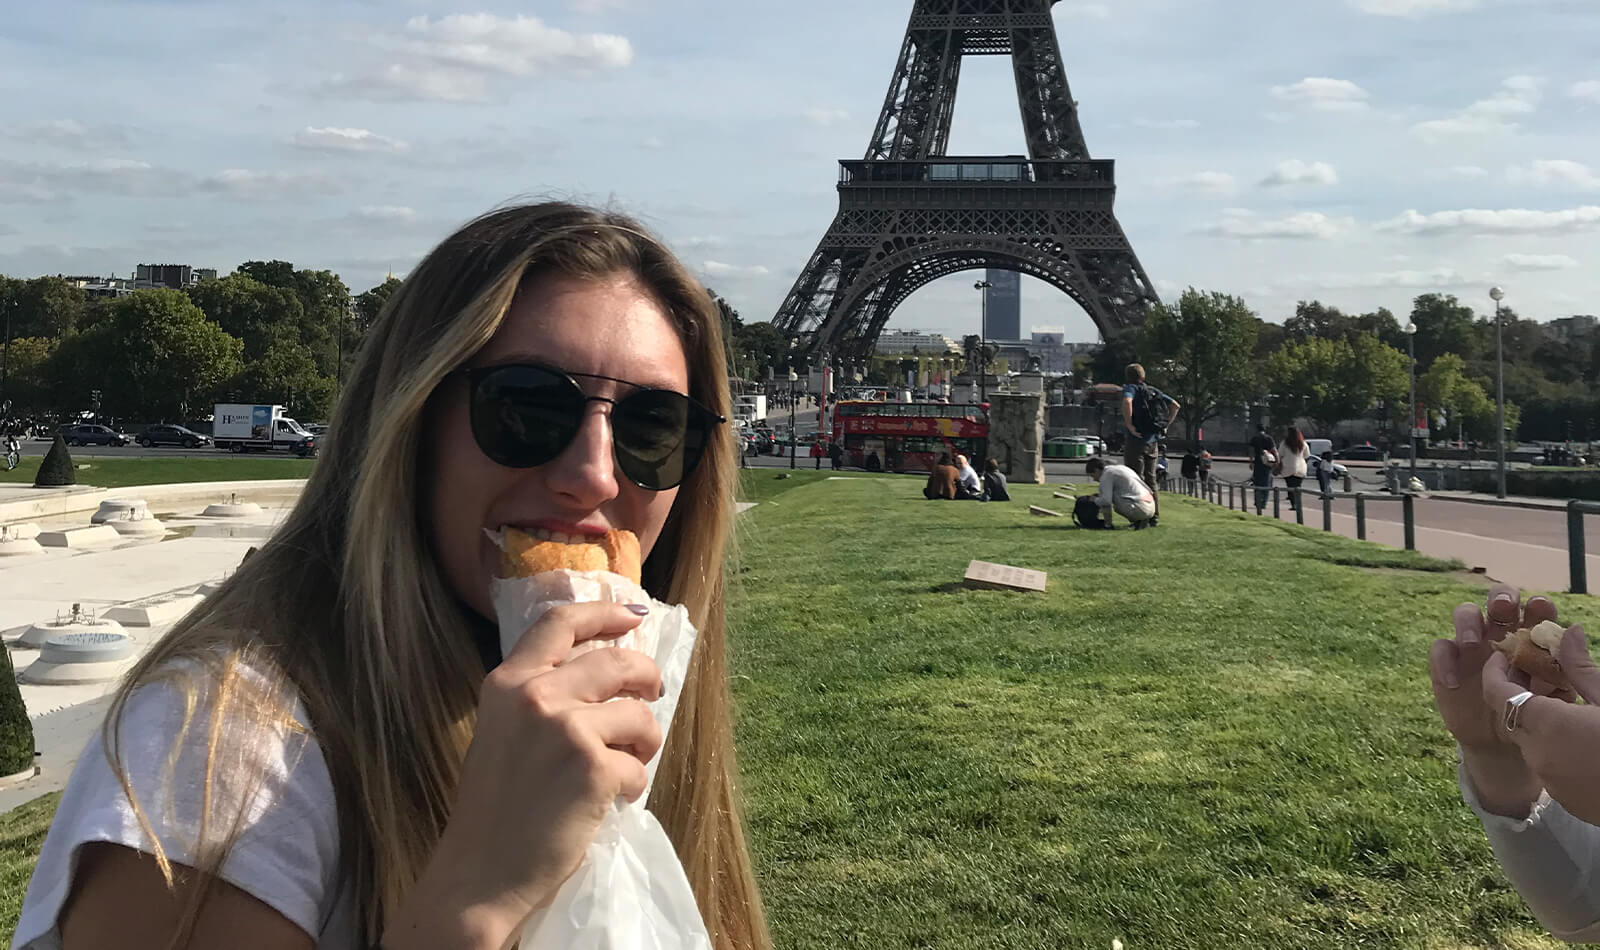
pixel 525 414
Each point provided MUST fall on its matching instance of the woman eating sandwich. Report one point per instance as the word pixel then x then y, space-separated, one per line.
pixel 332 750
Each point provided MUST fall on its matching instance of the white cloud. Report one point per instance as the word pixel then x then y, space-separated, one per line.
pixel 1407 278
pixel 1412 8
pixel 346 140
pixel 385 214
pixel 1555 173
pixel 597 7
pixel 1296 172
pixel 1540 262
pixel 827 117
pixel 1247 225
pixel 1588 90
pixel 1508 221
pixel 1168 124
pixel 653 143
pixel 248 183
pixel 21 181
pixel 1205 183
pixel 1324 94
pixel 701 241
pixel 397 83
pixel 721 269
pixel 451 58
pixel 70 133
pixel 1518 96
pixel 1460 173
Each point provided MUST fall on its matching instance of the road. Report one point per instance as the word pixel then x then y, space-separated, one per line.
pixel 39 447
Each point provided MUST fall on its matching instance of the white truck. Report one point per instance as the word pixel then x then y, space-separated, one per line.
pixel 248 428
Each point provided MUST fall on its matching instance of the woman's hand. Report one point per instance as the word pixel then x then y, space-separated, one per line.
pixel 1504 782
pixel 1559 741
pixel 549 757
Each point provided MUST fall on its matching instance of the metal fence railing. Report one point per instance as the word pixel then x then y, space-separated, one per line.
pixel 1239 495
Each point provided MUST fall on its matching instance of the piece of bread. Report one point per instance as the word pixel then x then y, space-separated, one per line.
pixel 1533 652
pixel 525 556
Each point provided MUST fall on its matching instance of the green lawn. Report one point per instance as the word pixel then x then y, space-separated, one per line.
pixel 1215 734
pixel 21 834
pixel 120 472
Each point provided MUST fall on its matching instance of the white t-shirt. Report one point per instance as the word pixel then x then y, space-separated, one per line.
pixel 1122 490
pixel 287 854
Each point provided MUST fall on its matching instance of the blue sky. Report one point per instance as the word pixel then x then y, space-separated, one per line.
pixel 1356 151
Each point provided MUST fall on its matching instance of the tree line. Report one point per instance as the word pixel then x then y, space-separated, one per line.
pixel 267 333
pixel 1211 352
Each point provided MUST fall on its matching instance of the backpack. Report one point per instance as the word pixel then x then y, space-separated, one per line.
pixel 1149 411
pixel 1086 512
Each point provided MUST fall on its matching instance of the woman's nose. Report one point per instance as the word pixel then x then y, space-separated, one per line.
pixel 584 475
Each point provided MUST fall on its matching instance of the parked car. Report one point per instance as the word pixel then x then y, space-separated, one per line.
pixel 172 435
pixel 92 435
pixel 1361 453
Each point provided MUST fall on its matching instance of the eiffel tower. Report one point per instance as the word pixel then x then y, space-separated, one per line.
pixel 910 214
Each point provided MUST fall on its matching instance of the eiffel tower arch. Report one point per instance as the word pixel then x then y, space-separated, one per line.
pixel 910 214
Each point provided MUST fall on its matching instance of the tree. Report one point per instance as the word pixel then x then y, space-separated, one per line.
pixel 1444 325
pixel 56 470
pixel 43 307
pixel 162 358
pixel 256 313
pixel 286 374
pixel 27 380
pixel 1201 353
pixel 1465 400
pixel 324 306
pixel 370 303
pixel 16 729
pixel 1329 381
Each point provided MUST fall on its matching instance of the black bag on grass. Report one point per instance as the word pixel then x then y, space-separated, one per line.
pixel 1087 514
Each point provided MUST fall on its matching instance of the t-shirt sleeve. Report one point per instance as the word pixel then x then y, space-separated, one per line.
pixel 287 851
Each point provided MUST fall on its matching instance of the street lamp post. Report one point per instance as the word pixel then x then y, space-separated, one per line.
pixel 1411 430
pixel 982 287
pixel 1497 295
pixel 793 439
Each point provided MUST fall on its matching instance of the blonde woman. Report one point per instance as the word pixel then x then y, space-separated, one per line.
pixel 331 751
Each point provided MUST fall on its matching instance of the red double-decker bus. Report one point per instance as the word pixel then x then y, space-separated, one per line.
pixel 908 436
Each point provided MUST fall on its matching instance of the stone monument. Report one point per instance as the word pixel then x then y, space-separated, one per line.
pixel 1016 435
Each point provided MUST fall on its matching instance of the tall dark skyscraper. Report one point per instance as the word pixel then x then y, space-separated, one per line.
pixel 1005 305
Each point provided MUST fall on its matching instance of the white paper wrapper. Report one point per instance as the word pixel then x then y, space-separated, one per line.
pixel 630 892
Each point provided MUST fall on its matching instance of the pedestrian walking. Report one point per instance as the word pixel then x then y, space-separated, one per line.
pixel 1146 413
pixel 1293 459
pixel 1263 459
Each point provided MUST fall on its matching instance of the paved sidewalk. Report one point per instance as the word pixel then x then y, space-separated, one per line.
pixel 38 587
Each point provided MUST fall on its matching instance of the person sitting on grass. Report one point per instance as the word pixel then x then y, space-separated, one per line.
pixel 1122 491
pixel 1527 752
pixel 968 487
pixel 994 483
pixel 942 481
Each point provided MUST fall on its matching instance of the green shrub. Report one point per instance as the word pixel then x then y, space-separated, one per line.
pixel 56 469
pixel 16 732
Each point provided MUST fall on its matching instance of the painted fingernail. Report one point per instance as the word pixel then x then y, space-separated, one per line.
pixel 1451 680
pixel 1504 599
pixel 661 688
pixel 639 609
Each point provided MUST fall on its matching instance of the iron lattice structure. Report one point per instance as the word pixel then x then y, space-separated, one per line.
pixel 910 214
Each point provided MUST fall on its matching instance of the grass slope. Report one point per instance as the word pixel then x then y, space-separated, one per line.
pixel 1213 734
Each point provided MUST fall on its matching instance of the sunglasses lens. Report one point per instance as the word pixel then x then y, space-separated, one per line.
pixel 660 436
pixel 524 416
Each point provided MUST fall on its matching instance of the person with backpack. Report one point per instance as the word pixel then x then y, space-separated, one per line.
pixel 1263 459
pixel 1146 412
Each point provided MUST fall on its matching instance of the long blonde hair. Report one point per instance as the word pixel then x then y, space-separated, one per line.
pixel 346 609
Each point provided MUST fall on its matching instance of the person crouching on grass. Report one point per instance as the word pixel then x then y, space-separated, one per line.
pixel 1122 491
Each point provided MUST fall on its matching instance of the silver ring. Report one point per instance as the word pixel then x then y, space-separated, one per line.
pixel 1514 709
